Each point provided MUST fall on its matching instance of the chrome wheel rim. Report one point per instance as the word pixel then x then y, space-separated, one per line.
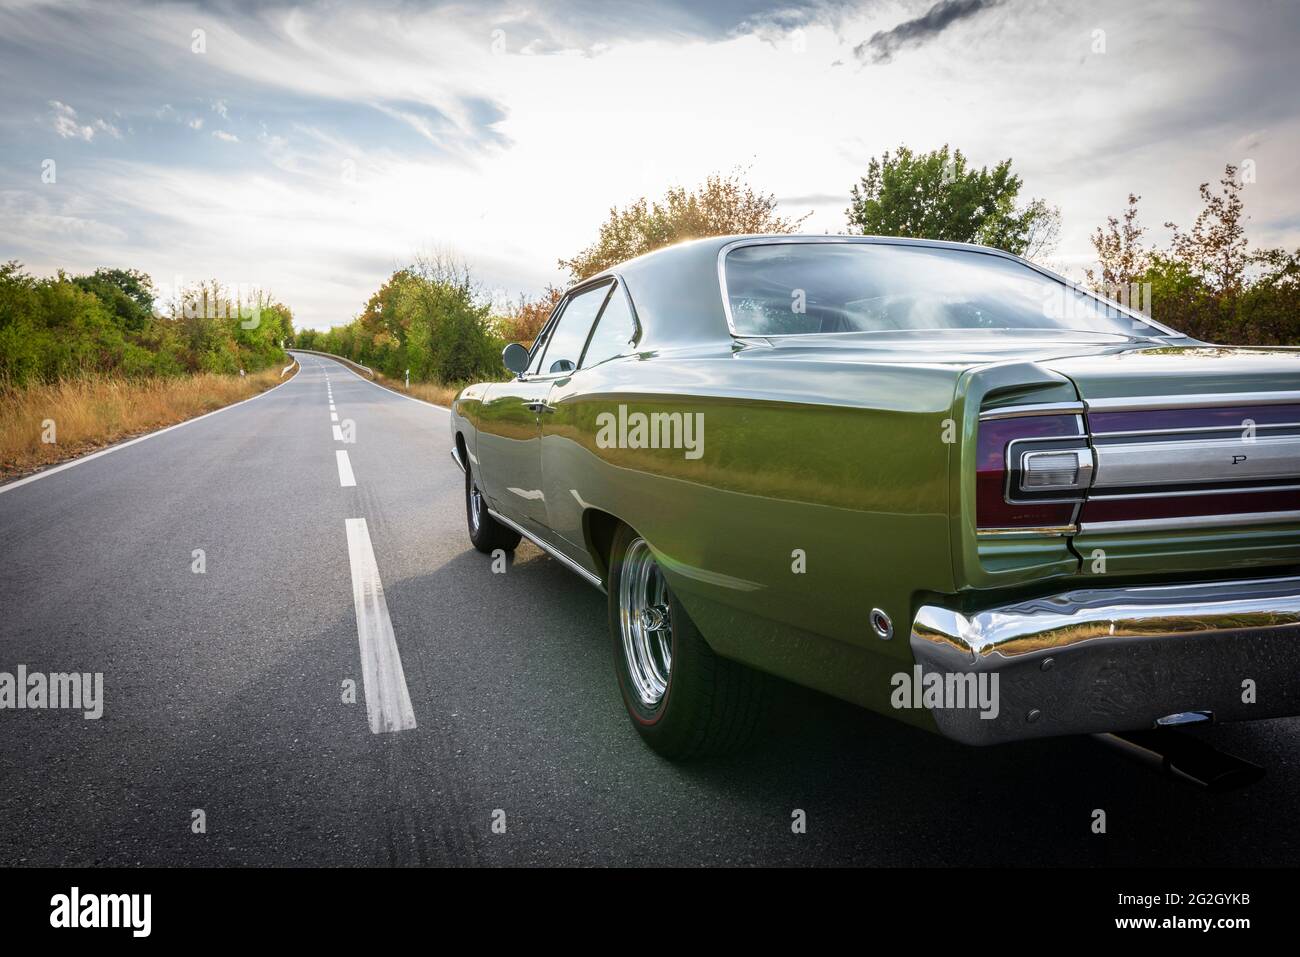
pixel 475 506
pixel 645 622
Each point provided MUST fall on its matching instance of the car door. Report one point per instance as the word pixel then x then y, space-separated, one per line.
pixel 563 459
pixel 510 418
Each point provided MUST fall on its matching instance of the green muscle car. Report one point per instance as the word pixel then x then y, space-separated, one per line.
pixel 930 478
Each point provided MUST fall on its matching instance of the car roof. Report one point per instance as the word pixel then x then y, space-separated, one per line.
pixel 678 296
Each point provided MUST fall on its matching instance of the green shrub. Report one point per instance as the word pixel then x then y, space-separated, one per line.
pixel 429 318
pixel 65 327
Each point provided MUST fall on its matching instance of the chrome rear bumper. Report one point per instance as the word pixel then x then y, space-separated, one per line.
pixel 1116 659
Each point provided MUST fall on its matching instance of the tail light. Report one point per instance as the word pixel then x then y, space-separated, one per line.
pixel 1035 468
pixel 1031 472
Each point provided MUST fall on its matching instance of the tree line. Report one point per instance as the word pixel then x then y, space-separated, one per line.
pixel 111 322
pixel 1207 282
pixel 433 319
pixel 430 317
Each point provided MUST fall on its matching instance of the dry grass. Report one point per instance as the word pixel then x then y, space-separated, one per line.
pixel 428 391
pixel 90 413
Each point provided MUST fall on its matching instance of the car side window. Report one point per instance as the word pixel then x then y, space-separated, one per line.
pixel 539 345
pixel 614 330
pixel 569 334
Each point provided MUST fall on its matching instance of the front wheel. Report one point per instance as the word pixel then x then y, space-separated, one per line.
pixel 684 700
pixel 485 532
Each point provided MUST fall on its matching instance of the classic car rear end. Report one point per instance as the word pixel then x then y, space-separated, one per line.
pixel 1145 534
pixel 931 479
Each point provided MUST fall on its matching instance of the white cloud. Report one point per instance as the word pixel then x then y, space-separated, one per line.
pixel 66 123
pixel 69 126
pixel 371 141
pixel 49 225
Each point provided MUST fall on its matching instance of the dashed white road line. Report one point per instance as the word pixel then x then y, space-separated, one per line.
pixel 346 478
pixel 338 433
pixel 400 395
pixel 388 702
pixel 334 416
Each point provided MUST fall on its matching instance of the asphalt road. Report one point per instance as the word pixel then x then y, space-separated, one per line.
pixel 223 692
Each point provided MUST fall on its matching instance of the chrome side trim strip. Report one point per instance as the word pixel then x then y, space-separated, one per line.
pixel 1190 522
pixel 1046 531
pixel 1238 490
pixel 1265 427
pixel 1137 403
pixel 1020 411
pixel 559 556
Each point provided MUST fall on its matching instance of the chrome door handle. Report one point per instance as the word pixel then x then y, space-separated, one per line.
pixel 538 407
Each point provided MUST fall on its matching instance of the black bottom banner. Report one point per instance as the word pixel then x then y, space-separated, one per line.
pixel 116 907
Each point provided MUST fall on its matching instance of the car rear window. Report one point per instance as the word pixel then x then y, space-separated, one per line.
pixel 803 288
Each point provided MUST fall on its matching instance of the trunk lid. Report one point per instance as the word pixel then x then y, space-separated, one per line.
pixel 1165 374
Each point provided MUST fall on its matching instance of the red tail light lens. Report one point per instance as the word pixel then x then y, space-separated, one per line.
pixel 1031 471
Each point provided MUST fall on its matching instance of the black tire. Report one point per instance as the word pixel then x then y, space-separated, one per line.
pixel 710 705
pixel 485 532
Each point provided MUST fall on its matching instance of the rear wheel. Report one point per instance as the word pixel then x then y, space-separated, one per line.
pixel 485 532
pixel 684 700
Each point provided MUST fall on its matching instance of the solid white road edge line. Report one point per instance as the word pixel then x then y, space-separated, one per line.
pixel 346 478
pixel 139 438
pixel 388 702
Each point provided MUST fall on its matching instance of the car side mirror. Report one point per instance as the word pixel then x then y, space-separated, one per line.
pixel 515 358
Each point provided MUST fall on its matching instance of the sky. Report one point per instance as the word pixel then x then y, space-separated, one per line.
pixel 311 149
